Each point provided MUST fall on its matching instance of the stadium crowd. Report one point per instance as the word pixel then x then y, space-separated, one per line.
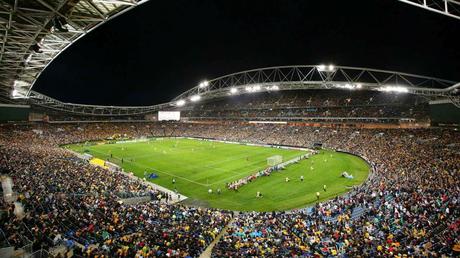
pixel 313 105
pixel 409 206
pixel 67 201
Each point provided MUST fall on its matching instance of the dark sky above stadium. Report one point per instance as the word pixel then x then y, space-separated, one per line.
pixel 162 48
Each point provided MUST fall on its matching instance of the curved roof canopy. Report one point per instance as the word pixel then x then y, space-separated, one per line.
pixel 34 32
pixel 279 78
pixel 299 77
pixel 449 8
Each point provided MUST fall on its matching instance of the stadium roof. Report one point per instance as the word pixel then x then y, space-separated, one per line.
pixel 34 32
pixel 449 8
pixel 299 77
pixel 280 78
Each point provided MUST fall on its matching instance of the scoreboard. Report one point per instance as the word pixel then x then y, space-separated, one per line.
pixel 168 115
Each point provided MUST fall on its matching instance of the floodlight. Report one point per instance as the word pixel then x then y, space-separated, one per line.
pixel 18 83
pixel 253 88
pixel 195 98
pixel 180 103
pixel 275 87
pixel 324 68
pixel 398 89
pixel 204 84
pixel 16 94
pixel 233 90
pixel 321 67
pixel 349 86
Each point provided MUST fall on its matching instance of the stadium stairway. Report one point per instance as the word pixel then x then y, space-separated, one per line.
pixel 11 252
pixel 208 251
pixel 136 200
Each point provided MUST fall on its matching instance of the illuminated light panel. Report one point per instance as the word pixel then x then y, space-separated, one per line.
pixel 195 98
pixel 398 89
pixel 349 86
pixel 204 84
pixel 326 68
pixel 180 102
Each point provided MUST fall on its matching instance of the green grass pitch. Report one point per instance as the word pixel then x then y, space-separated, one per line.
pixel 199 165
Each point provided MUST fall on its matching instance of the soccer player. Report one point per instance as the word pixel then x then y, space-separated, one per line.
pixel 218 191
pixel 287 179
pixel 210 191
pixel 324 188
pixel 317 196
pixel 301 178
pixel 173 180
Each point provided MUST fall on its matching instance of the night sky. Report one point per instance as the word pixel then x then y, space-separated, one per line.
pixel 162 48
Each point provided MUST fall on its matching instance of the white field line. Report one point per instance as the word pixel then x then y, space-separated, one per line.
pixel 161 171
pixel 212 164
pixel 237 175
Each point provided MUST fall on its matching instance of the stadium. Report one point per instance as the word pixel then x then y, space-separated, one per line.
pixel 309 160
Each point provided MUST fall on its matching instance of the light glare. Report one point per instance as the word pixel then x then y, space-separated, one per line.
pixel 321 67
pixel 349 86
pixel 398 89
pixel 195 98
pixel 180 102
pixel 324 68
pixel 204 84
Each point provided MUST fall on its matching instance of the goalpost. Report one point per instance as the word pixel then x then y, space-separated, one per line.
pixel 274 160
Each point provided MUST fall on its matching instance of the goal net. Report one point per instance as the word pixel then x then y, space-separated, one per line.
pixel 274 160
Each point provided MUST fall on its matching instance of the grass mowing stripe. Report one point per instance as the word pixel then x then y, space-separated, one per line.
pixel 199 165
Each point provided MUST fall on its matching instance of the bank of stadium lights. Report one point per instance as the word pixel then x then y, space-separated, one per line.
pixel 397 89
pixel 233 90
pixel 17 91
pixel 195 98
pixel 254 88
pixel 16 94
pixel 349 86
pixel 203 84
pixel 272 88
pixel 326 68
pixel 180 103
